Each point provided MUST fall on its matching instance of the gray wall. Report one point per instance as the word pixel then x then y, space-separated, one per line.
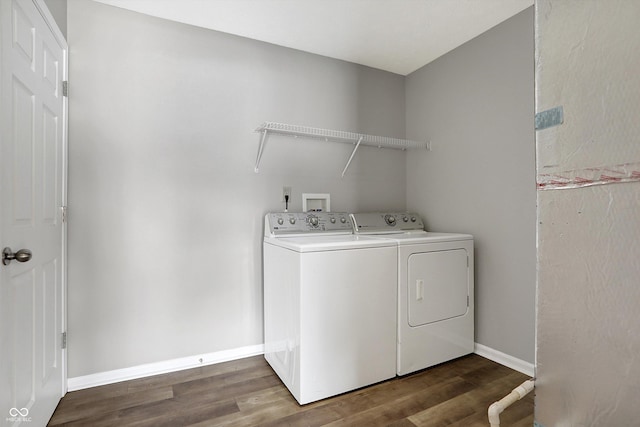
pixel 476 105
pixel 588 351
pixel 58 9
pixel 165 210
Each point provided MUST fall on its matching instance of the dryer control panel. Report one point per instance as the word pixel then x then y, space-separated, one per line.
pixel 386 222
pixel 289 223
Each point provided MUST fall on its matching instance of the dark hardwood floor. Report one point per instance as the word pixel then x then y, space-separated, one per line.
pixel 247 392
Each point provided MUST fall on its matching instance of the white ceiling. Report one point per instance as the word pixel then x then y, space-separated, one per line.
pixel 399 36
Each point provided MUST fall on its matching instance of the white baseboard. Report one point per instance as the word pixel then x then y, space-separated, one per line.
pixel 163 367
pixel 505 359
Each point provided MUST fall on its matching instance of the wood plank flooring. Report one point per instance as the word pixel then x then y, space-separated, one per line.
pixel 247 392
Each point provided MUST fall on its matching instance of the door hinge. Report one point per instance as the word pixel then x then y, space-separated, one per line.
pixel 468 301
pixel 64 340
pixel 63 209
pixel 65 88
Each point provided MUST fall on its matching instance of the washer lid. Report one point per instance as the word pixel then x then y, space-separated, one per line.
pixel 328 243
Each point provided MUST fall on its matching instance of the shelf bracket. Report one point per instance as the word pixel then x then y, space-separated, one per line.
pixel 353 153
pixel 263 139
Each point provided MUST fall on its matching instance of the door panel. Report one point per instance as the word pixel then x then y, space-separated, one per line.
pixel 23 36
pixel 32 150
pixel 22 326
pixel 49 309
pixel 438 286
pixel 51 71
pixel 50 171
pixel 23 103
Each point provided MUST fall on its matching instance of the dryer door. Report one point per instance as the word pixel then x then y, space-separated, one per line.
pixel 438 286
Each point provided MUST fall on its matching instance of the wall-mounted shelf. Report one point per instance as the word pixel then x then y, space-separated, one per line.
pixel 335 136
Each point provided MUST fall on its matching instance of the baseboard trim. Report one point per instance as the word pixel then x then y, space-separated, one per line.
pixel 163 367
pixel 505 359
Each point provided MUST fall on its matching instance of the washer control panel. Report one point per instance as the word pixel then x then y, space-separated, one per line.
pixel 287 223
pixel 386 222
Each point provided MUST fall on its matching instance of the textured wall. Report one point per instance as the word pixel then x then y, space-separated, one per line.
pixel 165 210
pixel 476 105
pixel 588 351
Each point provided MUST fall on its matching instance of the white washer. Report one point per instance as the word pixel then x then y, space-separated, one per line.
pixel 435 289
pixel 329 304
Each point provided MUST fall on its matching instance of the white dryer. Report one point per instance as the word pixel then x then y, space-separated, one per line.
pixel 435 289
pixel 329 304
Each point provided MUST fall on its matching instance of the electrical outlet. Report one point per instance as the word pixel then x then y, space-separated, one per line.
pixel 286 191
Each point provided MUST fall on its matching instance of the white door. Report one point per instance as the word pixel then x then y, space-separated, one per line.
pixel 32 192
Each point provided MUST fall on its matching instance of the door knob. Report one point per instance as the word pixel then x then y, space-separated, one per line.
pixel 23 255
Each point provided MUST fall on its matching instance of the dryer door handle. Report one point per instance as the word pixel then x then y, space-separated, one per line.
pixel 419 290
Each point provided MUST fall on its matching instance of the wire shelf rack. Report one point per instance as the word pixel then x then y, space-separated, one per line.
pixel 335 136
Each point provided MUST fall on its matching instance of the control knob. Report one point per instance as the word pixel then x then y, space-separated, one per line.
pixel 313 220
pixel 292 221
pixel 343 220
pixel 280 221
pixel 390 219
pixel 333 220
